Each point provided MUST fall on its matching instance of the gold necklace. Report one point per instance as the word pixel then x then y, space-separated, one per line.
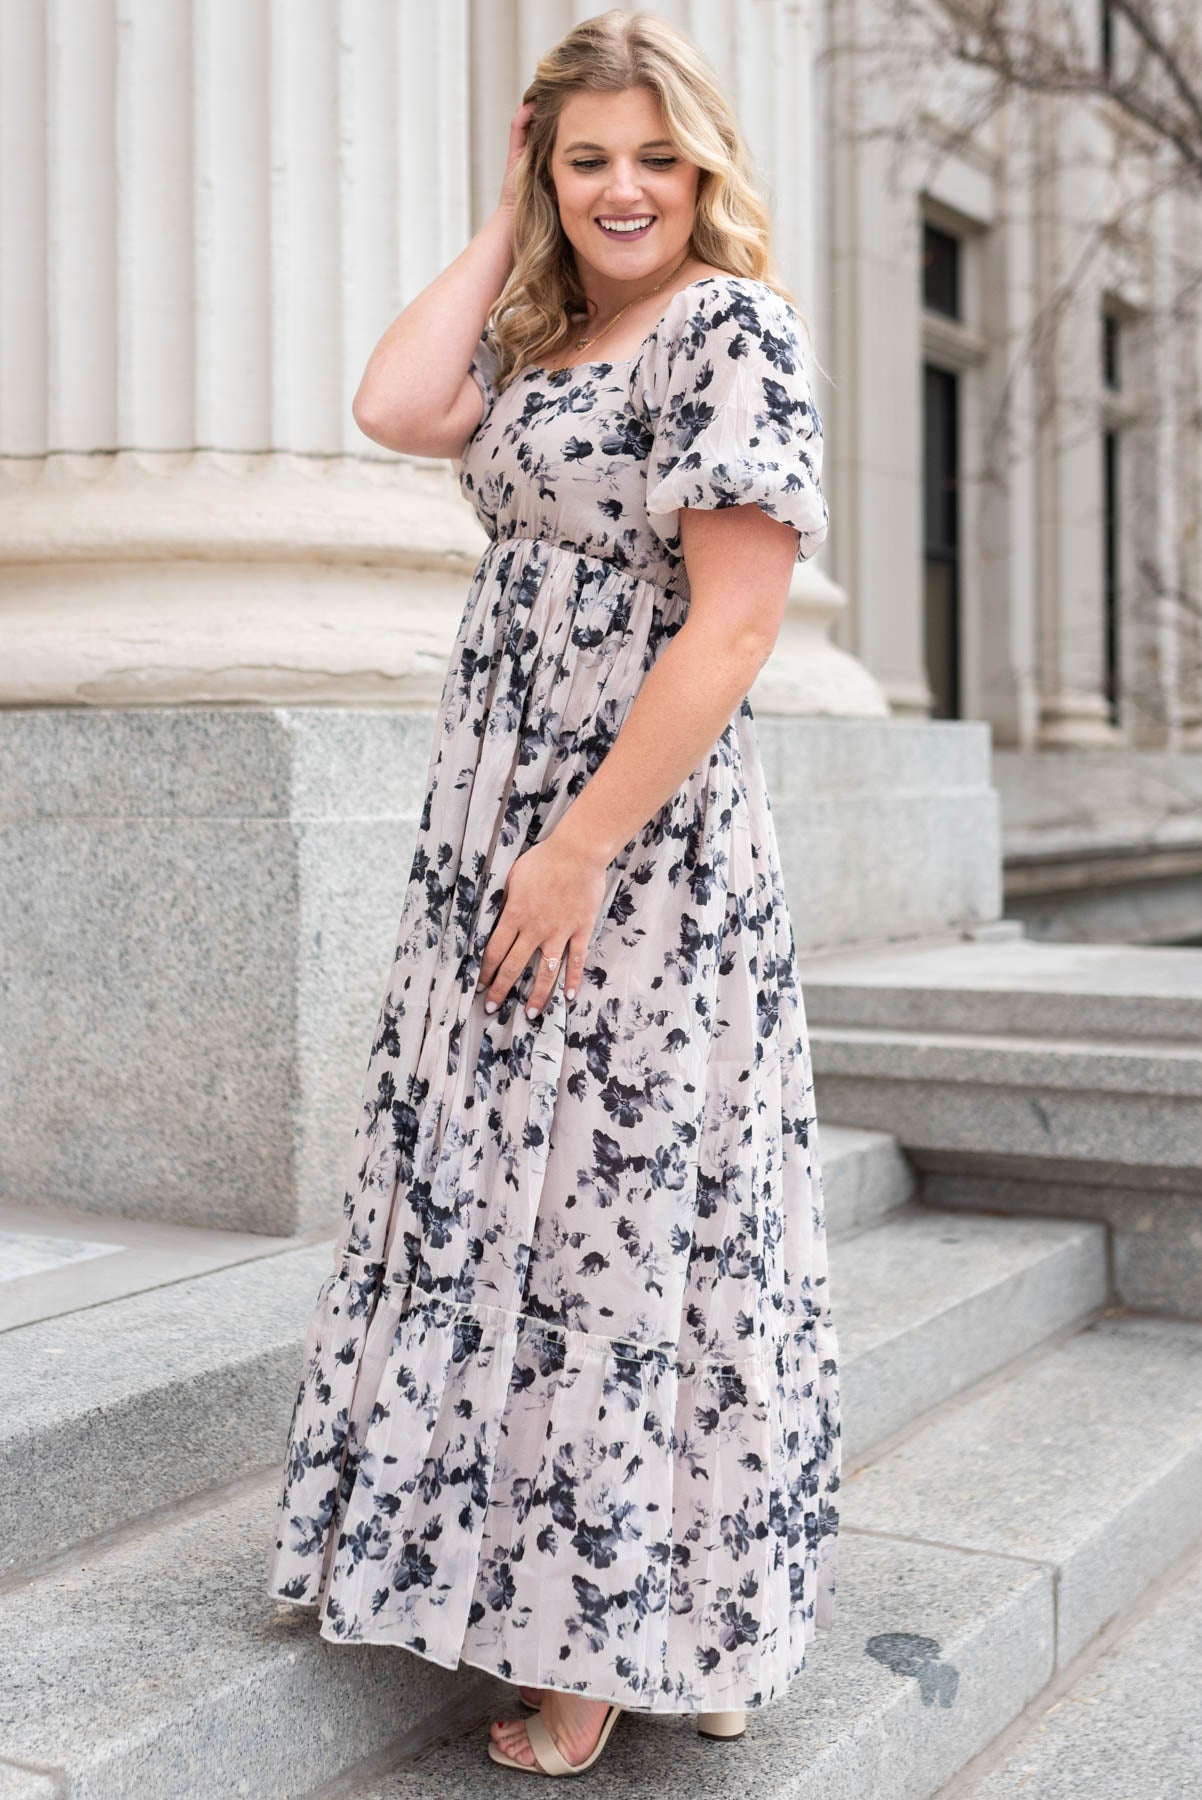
pixel 583 343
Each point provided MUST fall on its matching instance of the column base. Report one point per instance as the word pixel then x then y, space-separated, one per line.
pixel 1076 721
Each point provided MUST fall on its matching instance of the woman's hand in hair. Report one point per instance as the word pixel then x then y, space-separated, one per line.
pixel 518 127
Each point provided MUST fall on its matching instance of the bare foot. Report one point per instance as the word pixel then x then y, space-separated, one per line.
pixel 574 1723
pixel 532 1696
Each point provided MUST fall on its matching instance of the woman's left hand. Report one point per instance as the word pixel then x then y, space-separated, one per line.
pixel 553 894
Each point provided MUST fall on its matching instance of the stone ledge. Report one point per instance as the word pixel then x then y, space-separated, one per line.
pixel 204 905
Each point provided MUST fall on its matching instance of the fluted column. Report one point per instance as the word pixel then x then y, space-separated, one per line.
pixel 1073 706
pixel 209 214
pixel 773 86
pixel 871 311
pixel 1149 626
pixel 1187 459
pixel 1003 688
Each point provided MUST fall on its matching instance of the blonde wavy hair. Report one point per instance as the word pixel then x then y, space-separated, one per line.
pixel 615 50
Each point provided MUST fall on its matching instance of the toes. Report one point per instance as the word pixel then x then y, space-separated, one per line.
pixel 516 1743
pixel 510 1736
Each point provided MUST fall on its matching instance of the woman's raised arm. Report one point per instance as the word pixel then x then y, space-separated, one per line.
pixel 417 394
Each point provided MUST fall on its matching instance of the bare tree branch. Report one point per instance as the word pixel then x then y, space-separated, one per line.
pixel 1140 102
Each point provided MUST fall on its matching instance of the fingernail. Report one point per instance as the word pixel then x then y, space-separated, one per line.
pixel 532 1012
pixel 571 993
pixel 491 1005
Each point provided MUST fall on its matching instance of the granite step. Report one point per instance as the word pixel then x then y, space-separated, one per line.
pixel 161 1666
pixel 157 1663
pixel 1021 987
pixel 123 1407
pixel 1032 1077
pixel 117 1410
pixel 133 1399
pixel 865 1177
pixel 976 1560
pixel 1085 1457
pixel 932 1300
pixel 1129 1722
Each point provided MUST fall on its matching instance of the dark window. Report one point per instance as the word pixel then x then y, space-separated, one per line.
pixel 940 271
pixel 1112 369
pixel 941 538
pixel 1106 36
pixel 1110 504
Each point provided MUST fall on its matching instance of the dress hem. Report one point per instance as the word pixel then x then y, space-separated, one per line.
pixel 520 1680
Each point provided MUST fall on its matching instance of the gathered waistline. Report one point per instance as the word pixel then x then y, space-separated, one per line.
pixel 578 555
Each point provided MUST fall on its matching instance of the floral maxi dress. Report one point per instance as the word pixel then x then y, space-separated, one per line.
pixel 568 1409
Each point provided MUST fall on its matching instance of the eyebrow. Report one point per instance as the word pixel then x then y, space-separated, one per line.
pixel 651 144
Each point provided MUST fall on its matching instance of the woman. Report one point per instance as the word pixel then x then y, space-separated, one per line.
pixel 569 1406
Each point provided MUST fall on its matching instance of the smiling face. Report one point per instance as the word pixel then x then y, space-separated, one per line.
pixel 626 198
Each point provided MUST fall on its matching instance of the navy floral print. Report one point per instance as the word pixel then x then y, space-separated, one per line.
pixel 569 1408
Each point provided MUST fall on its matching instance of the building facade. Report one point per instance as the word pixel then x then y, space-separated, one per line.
pixel 226 614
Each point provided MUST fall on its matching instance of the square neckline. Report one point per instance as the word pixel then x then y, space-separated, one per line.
pixel 624 362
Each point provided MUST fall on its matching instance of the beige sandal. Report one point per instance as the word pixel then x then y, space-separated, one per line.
pixel 548 1758
pixel 718 1725
pixel 721 1724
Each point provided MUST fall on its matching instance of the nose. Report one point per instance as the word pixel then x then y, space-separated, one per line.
pixel 624 183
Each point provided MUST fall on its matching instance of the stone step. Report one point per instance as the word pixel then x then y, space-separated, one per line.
pixel 122 1407
pixel 157 1663
pixel 976 1559
pixel 119 1409
pixel 1087 1458
pixel 932 1300
pixel 1130 1722
pixel 1110 1074
pixel 1106 1129
pixel 1032 1077
pixel 865 1177
pixel 161 1666
pixel 1021 987
pixel 1121 1115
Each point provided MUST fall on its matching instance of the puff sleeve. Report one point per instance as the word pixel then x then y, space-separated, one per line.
pixel 726 392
